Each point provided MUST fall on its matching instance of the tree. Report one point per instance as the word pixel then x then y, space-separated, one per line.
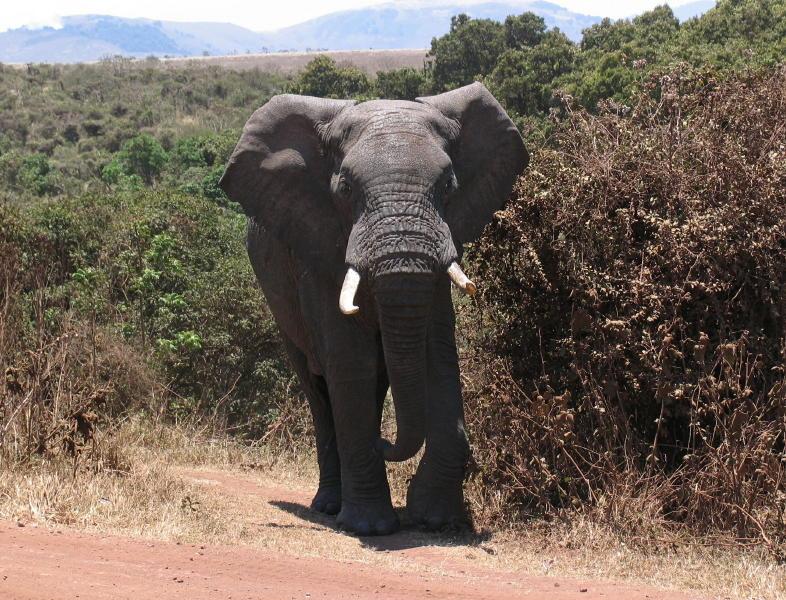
pixel 322 77
pixel 613 53
pixel 606 36
pixel 653 31
pixel 401 84
pixel 734 34
pixel 469 51
pixel 524 79
pixel 524 30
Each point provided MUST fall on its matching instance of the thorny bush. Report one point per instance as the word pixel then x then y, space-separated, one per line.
pixel 632 323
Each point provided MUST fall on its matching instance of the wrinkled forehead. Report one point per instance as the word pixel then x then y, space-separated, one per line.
pixel 390 134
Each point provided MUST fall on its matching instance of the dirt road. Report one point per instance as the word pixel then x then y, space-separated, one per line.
pixel 38 563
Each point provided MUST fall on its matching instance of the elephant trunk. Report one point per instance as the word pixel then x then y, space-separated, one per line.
pixel 404 306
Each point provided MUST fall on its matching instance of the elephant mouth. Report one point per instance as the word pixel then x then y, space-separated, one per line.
pixel 352 281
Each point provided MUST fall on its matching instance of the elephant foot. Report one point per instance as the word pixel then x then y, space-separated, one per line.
pixel 327 500
pixel 368 519
pixel 436 506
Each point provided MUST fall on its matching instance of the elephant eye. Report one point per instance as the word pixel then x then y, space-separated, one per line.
pixel 344 189
pixel 448 185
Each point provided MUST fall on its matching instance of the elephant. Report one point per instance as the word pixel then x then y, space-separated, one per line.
pixel 357 216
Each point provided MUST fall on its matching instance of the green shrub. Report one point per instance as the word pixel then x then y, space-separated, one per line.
pixel 142 156
pixel 324 78
pixel 163 274
pixel 401 84
pixel 31 173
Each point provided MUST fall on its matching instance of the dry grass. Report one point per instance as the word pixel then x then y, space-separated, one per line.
pixel 289 63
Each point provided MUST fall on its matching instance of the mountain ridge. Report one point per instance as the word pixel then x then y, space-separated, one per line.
pixel 414 26
pixel 85 38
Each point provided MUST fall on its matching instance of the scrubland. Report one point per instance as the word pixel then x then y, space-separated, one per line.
pixel 623 365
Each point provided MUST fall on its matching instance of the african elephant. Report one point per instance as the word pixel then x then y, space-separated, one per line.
pixel 357 213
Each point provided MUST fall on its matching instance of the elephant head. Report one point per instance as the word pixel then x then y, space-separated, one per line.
pixel 382 195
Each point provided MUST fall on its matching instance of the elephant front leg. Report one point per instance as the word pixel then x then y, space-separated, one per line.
pixel 366 508
pixel 435 497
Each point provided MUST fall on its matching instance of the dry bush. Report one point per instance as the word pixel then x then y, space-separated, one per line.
pixel 630 336
pixel 61 379
pixel 290 428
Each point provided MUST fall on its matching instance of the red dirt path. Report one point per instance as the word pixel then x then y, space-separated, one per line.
pixel 41 564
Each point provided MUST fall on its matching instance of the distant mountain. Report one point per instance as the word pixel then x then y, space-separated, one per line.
pixel 90 37
pixel 396 26
pixel 386 26
pixel 693 9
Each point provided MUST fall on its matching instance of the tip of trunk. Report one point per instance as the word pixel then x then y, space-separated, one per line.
pixel 398 452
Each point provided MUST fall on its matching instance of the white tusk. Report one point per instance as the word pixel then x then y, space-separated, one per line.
pixel 462 282
pixel 346 301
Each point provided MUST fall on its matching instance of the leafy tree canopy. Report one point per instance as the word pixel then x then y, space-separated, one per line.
pixel 324 78
pixel 469 51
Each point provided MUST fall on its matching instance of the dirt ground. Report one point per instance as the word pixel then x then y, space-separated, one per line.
pixel 292 553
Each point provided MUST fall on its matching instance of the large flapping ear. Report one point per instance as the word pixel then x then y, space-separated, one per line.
pixel 488 155
pixel 280 174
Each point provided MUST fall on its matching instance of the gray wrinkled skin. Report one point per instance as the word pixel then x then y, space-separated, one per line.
pixel 392 189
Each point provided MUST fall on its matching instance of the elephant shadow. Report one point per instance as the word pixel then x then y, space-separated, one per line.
pixel 408 536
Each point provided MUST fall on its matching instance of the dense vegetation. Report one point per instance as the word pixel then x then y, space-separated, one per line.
pixel 631 326
pixel 123 267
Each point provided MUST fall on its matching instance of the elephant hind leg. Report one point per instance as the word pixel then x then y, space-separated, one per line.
pixel 328 497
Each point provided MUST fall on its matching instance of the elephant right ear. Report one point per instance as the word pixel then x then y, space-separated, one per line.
pixel 280 174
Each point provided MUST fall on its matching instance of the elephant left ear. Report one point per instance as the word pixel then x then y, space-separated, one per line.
pixel 488 155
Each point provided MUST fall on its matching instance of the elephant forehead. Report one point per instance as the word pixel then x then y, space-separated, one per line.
pixel 382 117
pixel 394 120
pixel 396 151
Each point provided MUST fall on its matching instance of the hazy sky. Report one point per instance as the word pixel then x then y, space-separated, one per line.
pixel 258 15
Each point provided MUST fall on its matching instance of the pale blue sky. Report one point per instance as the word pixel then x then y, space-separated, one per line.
pixel 258 15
